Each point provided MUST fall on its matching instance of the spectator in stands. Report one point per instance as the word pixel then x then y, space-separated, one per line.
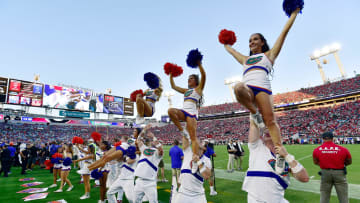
pixel 176 154
pixel 231 151
pixel 332 160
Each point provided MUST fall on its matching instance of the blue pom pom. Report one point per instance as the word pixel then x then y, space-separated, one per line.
pixel 193 57
pixel 96 174
pixel 53 160
pixel 130 152
pixel 59 160
pixel 290 6
pixel 152 80
pixel 67 161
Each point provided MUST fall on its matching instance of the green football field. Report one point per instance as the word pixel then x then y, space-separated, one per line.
pixel 228 185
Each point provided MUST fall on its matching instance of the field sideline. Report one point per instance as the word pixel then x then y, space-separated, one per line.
pixel 228 184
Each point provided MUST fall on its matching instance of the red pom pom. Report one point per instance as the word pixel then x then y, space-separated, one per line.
pixel 167 68
pixel 57 155
pixel 117 144
pixel 173 68
pixel 96 136
pixel 80 140
pixel 74 140
pixel 227 37
pixel 48 164
pixel 77 140
pixel 135 93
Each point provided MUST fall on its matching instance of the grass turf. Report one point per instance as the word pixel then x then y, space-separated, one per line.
pixel 228 191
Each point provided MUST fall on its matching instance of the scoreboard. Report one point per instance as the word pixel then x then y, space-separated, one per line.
pixel 25 93
pixel 20 92
pixel 113 104
pixel 3 89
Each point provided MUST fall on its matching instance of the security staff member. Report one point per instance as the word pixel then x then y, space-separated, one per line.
pixel 332 160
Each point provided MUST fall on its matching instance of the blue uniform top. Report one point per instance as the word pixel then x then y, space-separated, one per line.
pixel 176 153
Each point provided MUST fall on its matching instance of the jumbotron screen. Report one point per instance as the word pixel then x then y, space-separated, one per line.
pixel 3 89
pixel 66 98
pixel 113 104
pixel 25 93
pixel 97 102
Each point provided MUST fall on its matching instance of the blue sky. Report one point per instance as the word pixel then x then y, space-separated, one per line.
pixel 111 44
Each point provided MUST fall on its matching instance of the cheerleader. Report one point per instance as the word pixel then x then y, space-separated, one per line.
pixel 117 152
pixel 66 167
pixel 255 90
pixel 146 107
pixel 192 102
pixel 57 165
pixel 104 147
pixel 84 171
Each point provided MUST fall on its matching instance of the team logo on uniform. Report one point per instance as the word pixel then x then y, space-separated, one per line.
pixel 149 152
pixel 148 93
pixel 188 93
pixel 255 60
pixel 286 170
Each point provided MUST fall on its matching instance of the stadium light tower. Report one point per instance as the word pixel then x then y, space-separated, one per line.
pixel 108 91
pixel 230 83
pixel 331 49
pixel 169 94
pixel 36 78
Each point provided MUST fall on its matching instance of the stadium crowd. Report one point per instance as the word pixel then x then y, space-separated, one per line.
pixel 306 125
pixel 321 91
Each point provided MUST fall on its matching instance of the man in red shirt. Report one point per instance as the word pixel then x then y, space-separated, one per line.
pixel 332 160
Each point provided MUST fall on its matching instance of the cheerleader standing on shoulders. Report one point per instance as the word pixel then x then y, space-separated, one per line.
pixel 192 102
pixel 255 89
pixel 146 107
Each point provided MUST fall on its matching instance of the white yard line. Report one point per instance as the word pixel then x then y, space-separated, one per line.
pixel 312 186
pixel 305 157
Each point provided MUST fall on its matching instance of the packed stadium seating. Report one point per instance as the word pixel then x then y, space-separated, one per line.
pixel 321 91
pixel 343 119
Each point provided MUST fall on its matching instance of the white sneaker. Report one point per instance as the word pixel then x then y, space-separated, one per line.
pixel 58 190
pixel 58 180
pixel 100 201
pixel 279 164
pixel 257 120
pixel 70 188
pixel 52 186
pixel 194 167
pixel 213 193
pixel 140 120
pixel 85 196
pixel 164 180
